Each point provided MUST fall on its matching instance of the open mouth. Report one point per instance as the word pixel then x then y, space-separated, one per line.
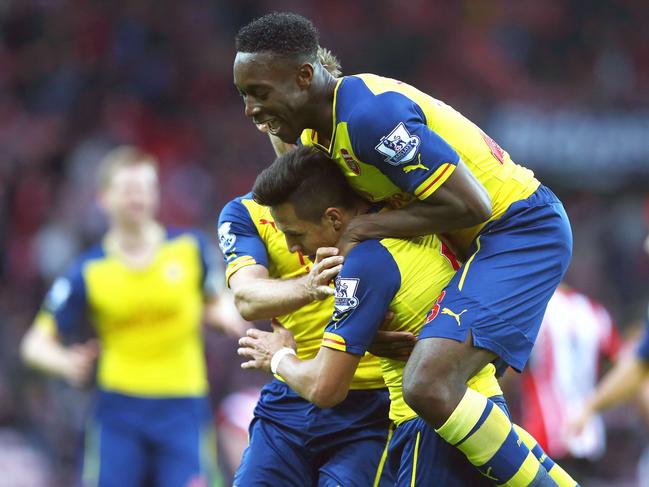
pixel 273 126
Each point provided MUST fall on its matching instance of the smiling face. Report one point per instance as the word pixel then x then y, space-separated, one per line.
pixel 275 91
pixel 131 196
pixel 306 236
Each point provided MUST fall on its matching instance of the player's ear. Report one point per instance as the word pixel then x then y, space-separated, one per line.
pixel 334 217
pixel 305 75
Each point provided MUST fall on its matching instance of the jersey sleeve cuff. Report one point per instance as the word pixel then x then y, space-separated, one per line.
pixel 331 340
pixel 434 181
pixel 236 264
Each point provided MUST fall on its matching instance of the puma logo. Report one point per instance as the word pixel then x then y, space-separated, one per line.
pixel 412 167
pixel 446 311
pixel 263 221
pixel 488 474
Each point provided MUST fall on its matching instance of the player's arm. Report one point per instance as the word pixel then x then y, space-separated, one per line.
pixel 61 312
pixel 621 383
pixel 41 348
pixel 450 196
pixel 257 296
pixel 461 202
pixel 367 284
pixel 323 380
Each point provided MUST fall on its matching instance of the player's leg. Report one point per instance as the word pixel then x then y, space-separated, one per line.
pixel 436 390
pixel 277 453
pixel 492 307
pixel 183 440
pixel 558 474
pixel 114 455
pixel 273 457
pixel 422 458
pixel 350 440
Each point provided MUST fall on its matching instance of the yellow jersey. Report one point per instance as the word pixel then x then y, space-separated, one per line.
pixel 248 236
pixel 148 320
pixel 402 275
pixel 395 143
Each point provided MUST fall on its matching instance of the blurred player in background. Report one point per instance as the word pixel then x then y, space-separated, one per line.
pixel 577 333
pixel 378 275
pixel 619 385
pixel 146 289
pixel 396 144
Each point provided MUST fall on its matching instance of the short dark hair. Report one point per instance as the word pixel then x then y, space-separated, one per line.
pixel 306 178
pixel 283 33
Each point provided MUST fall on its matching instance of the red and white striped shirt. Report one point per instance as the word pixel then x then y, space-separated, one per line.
pixel 563 370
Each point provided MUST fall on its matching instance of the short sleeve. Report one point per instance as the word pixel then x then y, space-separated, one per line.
pixel 66 301
pixel 390 132
pixel 239 239
pixel 365 287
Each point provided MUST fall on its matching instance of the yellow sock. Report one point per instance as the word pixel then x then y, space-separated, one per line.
pixel 484 433
pixel 560 476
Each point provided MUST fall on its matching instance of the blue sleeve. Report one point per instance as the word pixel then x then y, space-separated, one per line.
pixel 208 267
pixel 390 132
pixel 67 300
pixel 365 287
pixel 643 349
pixel 238 236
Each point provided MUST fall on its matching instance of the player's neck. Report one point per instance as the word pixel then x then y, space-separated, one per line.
pixel 135 245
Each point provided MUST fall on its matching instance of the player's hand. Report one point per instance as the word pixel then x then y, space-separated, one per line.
pixel 326 267
pixel 259 346
pixel 575 425
pixel 395 345
pixel 79 363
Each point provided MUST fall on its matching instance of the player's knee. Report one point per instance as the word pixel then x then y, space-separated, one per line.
pixel 430 397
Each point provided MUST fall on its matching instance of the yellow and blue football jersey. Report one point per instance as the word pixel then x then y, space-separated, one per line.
pixel 401 275
pixel 148 320
pixel 395 143
pixel 248 236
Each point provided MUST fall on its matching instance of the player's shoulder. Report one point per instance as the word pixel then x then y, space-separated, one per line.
pixel 241 207
pixel 75 271
pixel 372 106
pixel 93 253
pixel 369 256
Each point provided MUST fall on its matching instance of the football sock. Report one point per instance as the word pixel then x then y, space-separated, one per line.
pixel 560 476
pixel 484 433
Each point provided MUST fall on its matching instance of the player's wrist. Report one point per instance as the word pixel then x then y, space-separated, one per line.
pixel 278 356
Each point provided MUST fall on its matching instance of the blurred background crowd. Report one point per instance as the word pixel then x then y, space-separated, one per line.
pixel 563 85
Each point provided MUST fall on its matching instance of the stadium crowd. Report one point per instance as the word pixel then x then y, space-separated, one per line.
pixel 78 78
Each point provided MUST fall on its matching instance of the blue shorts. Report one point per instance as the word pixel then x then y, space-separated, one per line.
pixel 417 455
pixel 501 292
pixel 295 443
pixel 167 442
